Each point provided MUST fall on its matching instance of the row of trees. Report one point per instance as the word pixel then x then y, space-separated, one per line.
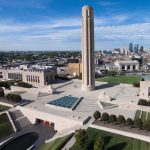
pixel 112 118
pixel 82 140
pixel 138 123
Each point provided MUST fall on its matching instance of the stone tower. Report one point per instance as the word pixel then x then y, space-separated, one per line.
pixel 88 68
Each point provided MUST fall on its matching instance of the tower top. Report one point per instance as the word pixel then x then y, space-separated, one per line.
pixel 87 7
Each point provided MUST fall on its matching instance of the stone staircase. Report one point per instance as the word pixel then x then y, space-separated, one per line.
pixel 20 121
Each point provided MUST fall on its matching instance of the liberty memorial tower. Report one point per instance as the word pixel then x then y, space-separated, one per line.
pixel 88 67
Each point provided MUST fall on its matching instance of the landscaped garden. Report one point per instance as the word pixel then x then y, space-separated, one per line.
pixel 126 79
pixel 56 144
pixel 94 139
pixel 5 126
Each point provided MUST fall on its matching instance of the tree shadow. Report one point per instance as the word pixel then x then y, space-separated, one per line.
pixel 107 139
pixel 118 146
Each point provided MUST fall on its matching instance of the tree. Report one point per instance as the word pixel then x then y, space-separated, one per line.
pixel 112 118
pixel 14 97
pixel 121 119
pixel 129 122
pixel 138 123
pixel 81 139
pixel 111 73
pixel 105 117
pixel 1 92
pixel 99 144
pixel 97 115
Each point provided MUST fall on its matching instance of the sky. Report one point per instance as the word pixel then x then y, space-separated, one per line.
pixel 56 24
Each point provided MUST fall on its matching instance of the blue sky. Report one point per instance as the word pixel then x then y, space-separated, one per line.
pixel 56 24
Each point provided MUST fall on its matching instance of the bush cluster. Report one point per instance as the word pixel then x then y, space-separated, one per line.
pixel 14 97
pixel 136 84
pixel 5 84
pixel 112 118
pixel 1 92
pixel 142 124
pixel 23 84
pixel 144 102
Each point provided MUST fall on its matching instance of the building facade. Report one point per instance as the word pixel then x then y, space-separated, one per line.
pixel 36 77
pixel 130 65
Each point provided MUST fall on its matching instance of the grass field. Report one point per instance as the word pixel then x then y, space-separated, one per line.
pixel 2 107
pixel 56 144
pixel 114 141
pixel 120 79
pixel 5 126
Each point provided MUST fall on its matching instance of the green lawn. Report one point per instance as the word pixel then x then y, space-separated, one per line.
pixel 5 126
pixel 2 107
pixel 56 144
pixel 114 141
pixel 120 79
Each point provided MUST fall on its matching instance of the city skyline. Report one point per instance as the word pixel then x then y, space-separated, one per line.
pixel 55 25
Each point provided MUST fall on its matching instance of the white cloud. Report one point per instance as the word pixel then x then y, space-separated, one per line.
pixel 66 34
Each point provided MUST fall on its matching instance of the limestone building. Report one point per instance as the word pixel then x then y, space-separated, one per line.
pixel 36 77
pixel 127 65
pixel 88 68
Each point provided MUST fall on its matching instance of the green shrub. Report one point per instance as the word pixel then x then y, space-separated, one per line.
pixel 138 123
pixel 105 117
pixel 146 125
pixel 129 122
pixel 112 118
pixel 121 119
pixel 1 92
pixel 5 84
pixel 23 84
pixel 136 84
pixel 97 115
pixel 143 102
pixel 14 97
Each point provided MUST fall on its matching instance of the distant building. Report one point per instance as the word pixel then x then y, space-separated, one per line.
pixel 136 48
pixel 131 47
pixel 127 65
pixel 138 58
pixel 36 77
pixel 74 69
pixel 141 49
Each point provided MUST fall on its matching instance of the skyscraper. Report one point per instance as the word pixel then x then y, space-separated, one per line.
pixel 131 47
pixel 88 68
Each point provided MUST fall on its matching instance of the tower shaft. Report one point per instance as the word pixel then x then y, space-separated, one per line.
pixel 88 68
